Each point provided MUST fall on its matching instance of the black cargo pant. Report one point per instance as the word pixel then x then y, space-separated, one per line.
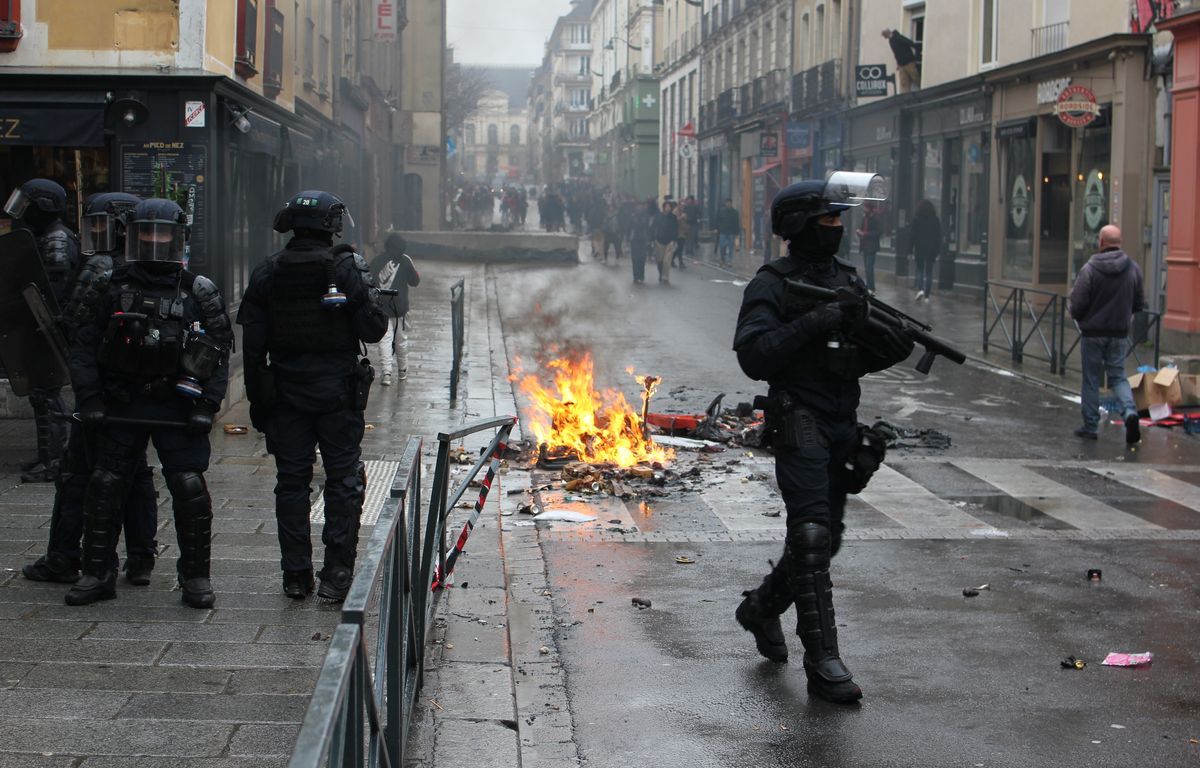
pixel 139 509
pixel 298 425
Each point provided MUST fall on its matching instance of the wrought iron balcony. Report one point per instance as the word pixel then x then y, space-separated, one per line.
pixel 817 86
pixel 1050 38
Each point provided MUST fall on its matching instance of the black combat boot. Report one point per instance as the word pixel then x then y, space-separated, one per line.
pixel 812 590
pixel 52 567
pixel 340 533
pixel 759 615
pixel 298 584
pixel 335 582
pixel 193 526
pixel 100 531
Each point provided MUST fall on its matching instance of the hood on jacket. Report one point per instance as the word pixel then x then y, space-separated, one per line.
pixel 1110 262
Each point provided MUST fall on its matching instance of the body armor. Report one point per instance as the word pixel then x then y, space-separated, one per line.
pixel 59 250
pixel 300 322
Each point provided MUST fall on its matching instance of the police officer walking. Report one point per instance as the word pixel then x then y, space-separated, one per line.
pixel 38 206
pixel 153 364
pixel 808 355
pixel 306 315
pixel 103 235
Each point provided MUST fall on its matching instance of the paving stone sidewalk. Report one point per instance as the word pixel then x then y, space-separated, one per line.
pixel 145 681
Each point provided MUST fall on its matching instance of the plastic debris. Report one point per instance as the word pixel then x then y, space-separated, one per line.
pixel 970 592
pixel 565 516
pixel 1128 659
pixel 1073 663
pixel 684 560
pixel 641 603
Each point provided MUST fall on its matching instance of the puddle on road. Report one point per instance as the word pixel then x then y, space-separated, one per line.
pixel 1015 509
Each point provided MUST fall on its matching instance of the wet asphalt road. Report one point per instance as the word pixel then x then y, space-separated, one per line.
pixel 949 680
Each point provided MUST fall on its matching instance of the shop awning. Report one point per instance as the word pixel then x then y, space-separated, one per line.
pixel 52 118
pixel 1021 128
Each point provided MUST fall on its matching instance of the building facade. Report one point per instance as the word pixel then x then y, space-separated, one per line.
pixel 226 106
pixel 494 146
pixel 560 98
pixel 679 95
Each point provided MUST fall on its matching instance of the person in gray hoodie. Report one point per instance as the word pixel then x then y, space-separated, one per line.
pixel 1106 294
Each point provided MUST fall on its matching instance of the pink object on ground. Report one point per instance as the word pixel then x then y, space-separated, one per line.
pixel 1127 659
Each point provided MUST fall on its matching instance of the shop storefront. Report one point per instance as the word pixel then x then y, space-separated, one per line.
pixel 874 146
pixel 1073 151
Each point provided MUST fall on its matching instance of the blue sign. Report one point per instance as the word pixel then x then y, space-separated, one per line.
pixel 799 135
pixel 451 147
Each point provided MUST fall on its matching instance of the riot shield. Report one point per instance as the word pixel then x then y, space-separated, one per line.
pixel 32 349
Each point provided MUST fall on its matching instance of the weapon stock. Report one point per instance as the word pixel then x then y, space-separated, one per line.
pixel 885 315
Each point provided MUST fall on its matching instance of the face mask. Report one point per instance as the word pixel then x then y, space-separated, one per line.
pixel 816 242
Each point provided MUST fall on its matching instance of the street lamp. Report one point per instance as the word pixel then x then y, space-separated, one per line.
pixel 609 45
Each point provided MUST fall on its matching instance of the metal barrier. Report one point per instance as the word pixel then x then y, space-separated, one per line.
pixel 1025 315
pixel 458 333
pixel 362 706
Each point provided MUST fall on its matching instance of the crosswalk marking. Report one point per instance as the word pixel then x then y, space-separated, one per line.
pixel 1051 498
pixel 379 485
pixel 1155 483
pixel 912 505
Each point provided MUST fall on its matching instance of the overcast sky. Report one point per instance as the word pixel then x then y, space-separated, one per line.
pixel 506 32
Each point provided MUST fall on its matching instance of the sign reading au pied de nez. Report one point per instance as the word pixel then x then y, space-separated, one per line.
pixel 1077 106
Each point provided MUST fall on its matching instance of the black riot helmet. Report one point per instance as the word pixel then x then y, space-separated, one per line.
pixel 103 227
pixel 156 230
pixel 313 210
pixel 804 201
pixel 46 196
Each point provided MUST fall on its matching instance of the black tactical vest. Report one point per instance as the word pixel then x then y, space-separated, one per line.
pixel 299 321
pixel 144 337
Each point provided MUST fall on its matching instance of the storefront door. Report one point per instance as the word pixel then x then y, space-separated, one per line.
pixel 1054 221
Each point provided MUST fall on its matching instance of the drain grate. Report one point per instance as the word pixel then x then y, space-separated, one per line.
pixel 379 485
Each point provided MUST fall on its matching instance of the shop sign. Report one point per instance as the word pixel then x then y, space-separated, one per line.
pixel 768 144
pixel 385 21
pixel 799 135
pixel 871 80
pixel 193 114
pixel 687 149
pixel 884 132
pixel 970 115
pixel 424 154
pixel 1048 91
pixel 1018 205
pixel 712 143
pixel 1076 106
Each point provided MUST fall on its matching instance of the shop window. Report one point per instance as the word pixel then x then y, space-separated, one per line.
pixel 932 188
pixel 245 62
pixel 971 200
pixel 273 71
pixel 1054 225
pixel 1092 194
pixel 1019 195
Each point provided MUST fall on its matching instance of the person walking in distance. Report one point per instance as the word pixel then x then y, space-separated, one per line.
pixel 1106 294
pixel 927 244
pixel 908 60
pixel 394 270
pixel 869 233
pixel 305 316
pixel 729 226
pixel 641 237
pixel 666 232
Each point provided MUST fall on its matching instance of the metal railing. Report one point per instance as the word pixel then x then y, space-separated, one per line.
pixel 362 705
pixel 457 334
pixel 1051 38
pixel 1033 323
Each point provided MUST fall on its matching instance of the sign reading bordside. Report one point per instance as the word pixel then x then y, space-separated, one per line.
pixel 1077 106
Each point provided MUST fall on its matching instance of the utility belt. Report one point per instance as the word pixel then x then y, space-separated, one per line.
pixel 147 349
pixel 261 385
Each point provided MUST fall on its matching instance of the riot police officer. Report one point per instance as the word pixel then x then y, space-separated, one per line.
pixel 808 354
pixel 151 364
pixel 38 206
pixel 306 314
pixel 103 236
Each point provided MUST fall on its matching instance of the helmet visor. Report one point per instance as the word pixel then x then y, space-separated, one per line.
pixel 99 233
pixel 18 203
pixel 852 188
pixel 154 241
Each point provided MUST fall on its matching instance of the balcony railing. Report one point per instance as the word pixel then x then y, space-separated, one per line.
pixel 817 86
pixel 1050 38
pixel 727 106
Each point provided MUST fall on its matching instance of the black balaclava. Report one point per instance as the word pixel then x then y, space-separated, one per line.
pixel 37 220
pixel 816 242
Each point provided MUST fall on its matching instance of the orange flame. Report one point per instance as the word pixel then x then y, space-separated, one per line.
pixel 599 427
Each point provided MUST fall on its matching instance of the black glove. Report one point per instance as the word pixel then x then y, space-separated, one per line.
pixel 260 417
pixel 200 420
pixel 894 345
pixel 828 317
pixel 91 413
pixel 854 307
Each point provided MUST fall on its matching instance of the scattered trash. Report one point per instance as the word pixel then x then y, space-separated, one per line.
pixel 564 516
pixel 684 560
pixel 641 603
pixel 1094 574
pixel 236 429
pixel 982 587
pixel 970 592
pixel 449 646
pixel 527 509
pixel 461 455
pixel 369 427
pixel 899 437
pixel 1117 726
pixel 686 443
pixel 544 650
pixel 1128 659
pixel 1073 663
pixel 775 513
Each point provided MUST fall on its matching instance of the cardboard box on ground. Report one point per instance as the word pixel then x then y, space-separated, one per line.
pixel 1189 378
pixel 1153 391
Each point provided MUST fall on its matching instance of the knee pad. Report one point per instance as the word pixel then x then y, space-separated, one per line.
pixel 189 493
pixel 108 488
pixel 810 544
